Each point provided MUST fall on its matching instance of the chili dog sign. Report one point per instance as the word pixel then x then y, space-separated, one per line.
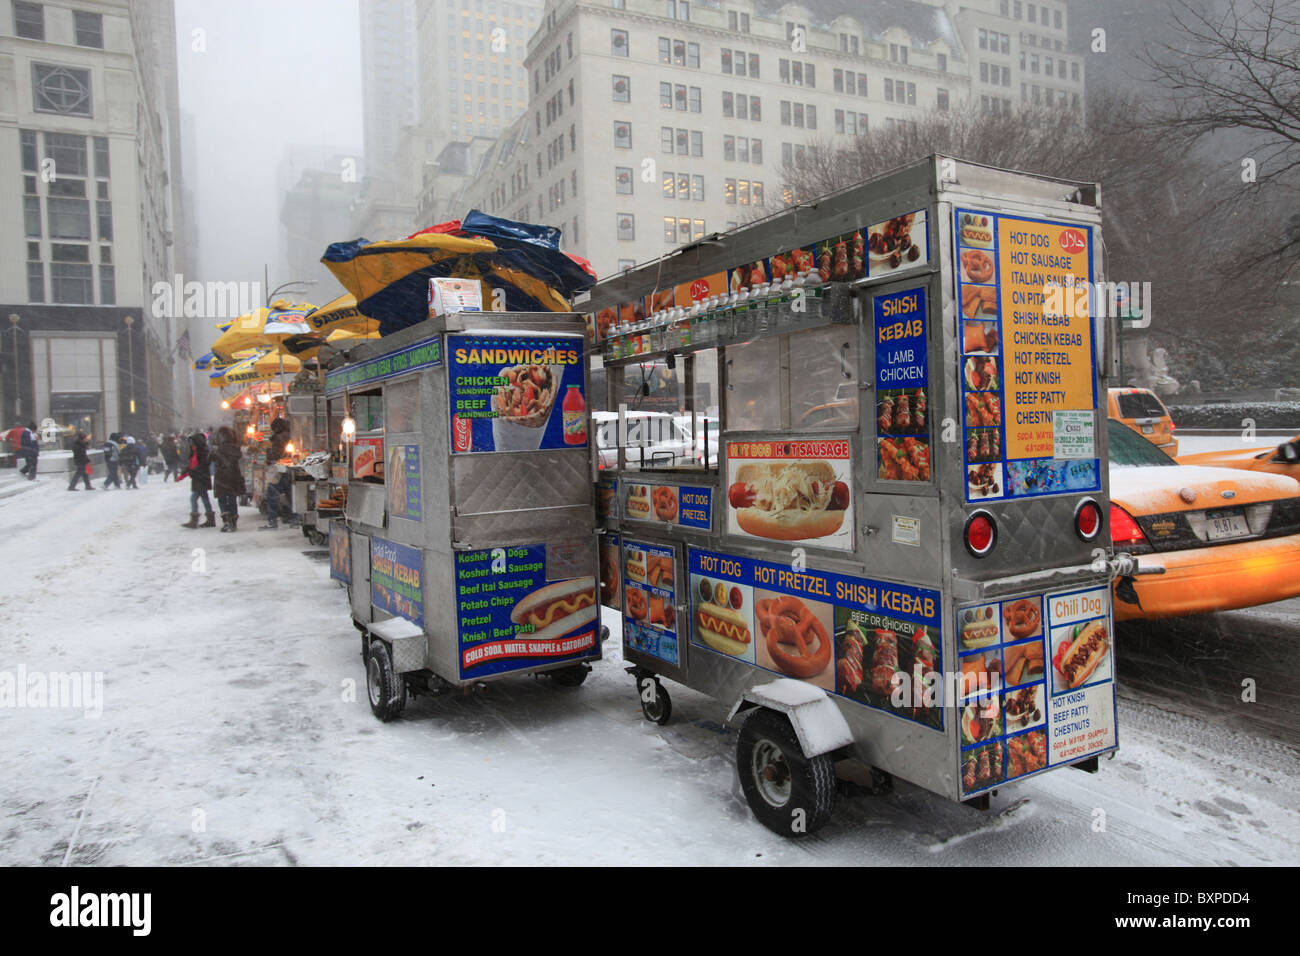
pixel 509 617
pixel 793 491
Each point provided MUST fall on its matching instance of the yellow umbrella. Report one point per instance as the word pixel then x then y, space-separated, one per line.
pixel 276 362
pixel 242 372
pixel 341 314
pixel 262 328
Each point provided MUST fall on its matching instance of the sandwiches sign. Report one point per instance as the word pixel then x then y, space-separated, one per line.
pixel 510 618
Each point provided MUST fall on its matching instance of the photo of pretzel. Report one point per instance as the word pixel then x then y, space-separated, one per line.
pixel 796 640
pixel 637 606
pixel 1022 617
pixel 665 502
pixel 978 265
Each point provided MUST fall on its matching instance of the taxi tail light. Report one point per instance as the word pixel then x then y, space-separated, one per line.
pixel 1125 533
pixel 981 534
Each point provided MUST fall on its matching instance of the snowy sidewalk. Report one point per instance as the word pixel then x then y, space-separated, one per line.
pixel 235 730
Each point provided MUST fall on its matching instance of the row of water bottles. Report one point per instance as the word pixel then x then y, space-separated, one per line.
pixel 749 312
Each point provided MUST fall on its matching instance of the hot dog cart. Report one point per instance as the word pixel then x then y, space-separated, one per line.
pixel 895 558
pixel 467 538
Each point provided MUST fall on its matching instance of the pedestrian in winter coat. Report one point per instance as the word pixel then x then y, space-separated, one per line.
pixel 171 456
pixel 130 458
pixel 111 455
pixel 200 482
pixel 278 491
pixel 228 479
pixel 80 462
pixel 30 450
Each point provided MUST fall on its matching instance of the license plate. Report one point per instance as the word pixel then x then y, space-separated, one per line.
pixel 1220 527
pixel 1148 429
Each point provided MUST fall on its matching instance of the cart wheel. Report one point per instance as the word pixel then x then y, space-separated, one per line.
pixel 571 676
pixel 789 793
pixel 386 690
pixel 656 705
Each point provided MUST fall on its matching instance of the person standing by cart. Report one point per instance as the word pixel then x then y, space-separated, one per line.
pixel 228 477
pixel 200 482
pixel 110 463
pixel 80 462
pixel 130 458
pixel 277 491
pixel 171 456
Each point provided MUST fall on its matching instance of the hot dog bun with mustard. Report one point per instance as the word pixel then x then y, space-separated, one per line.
pixel 979 627
pixel 638 501
pixel 788 500
pixel 722 629
pixel 557 608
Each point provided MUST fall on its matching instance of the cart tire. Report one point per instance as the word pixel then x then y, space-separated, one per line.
pixel 789 793
pixel 656 705
pixel 385 689
pixel 571 676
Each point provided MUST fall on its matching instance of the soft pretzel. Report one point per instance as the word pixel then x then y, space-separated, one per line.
pixel 787 621
pixel 1022 617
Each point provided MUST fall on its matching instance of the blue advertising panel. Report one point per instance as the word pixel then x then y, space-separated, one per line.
pixel 403 477
pixel 340 552
pixel 902 380
pixel 873 642
pixel 649 614
pixel 516 392
pixel 509 617
pixel 397 579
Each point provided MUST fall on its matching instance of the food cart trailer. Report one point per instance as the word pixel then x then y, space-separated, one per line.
pixel 896 558
pixel 467 540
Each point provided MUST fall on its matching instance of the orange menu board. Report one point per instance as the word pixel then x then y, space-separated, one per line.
pixel 1047 358
pixel 700 289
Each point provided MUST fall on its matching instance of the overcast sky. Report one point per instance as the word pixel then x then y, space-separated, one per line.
pixel 274 73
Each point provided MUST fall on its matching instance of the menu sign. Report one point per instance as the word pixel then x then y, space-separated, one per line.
pixel 871 641
pixel 683 505
pixel 509 617
pixel 397 579
pixel 794 491
pixel 516 392
pixel 649 613
pixel 1022 363
pixel 902 407
pixel 403 476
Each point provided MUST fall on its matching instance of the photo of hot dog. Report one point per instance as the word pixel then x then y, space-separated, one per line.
pixel 636 569
pixel 638 502
pixel 609 574
pixel 1078 656
pixel 788 500
pixel 724 629
pixel 979 626
pixel 557 608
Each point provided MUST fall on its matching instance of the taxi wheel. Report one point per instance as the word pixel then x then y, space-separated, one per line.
pixel 571 676
pixel 656 705
pixel 789 793
pixel 385 689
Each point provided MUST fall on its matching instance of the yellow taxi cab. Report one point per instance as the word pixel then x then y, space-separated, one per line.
pixel 1225 538
pixel 1142 411
pixel 1283 459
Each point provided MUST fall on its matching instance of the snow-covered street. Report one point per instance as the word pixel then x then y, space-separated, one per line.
pixel 235 729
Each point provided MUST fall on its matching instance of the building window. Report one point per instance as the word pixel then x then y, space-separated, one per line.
pixel 726 61
pixel 72 283
pixel 89 29
pixel 665 50
pixel 697 143
pixel 666 96
pixel 35 282
pixel 618 43
pixel 622 89
pixel 696 102
pixel 625 223
pixel 626 264
pixel 666 139
pixel 729 149
pixel 29 20
pixel 941 101
pixel 697 188
pixel 670 230
pixel 59 89
pixel 107 286
pixel 32 216
pixel 622 135
pixel 69 218
pixel 27 138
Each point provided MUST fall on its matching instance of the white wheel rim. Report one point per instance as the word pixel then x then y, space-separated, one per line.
pixel 771 773
pixel 374 681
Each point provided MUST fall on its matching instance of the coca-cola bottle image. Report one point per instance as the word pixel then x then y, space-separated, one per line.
pixel 462 433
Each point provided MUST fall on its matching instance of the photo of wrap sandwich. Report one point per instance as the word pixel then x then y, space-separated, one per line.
pixel 788 500
pixel 556 609
pixel 1082 654
pixel 528 396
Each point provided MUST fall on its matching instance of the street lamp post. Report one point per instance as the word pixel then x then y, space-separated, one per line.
pixel 18 392
pixel 130 354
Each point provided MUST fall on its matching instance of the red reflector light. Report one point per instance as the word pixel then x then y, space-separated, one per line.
pixel 981 534
pixel 1124 531
pixel 1087 520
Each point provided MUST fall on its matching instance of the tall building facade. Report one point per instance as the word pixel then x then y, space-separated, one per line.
pixel 89 151
pixel 655 122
